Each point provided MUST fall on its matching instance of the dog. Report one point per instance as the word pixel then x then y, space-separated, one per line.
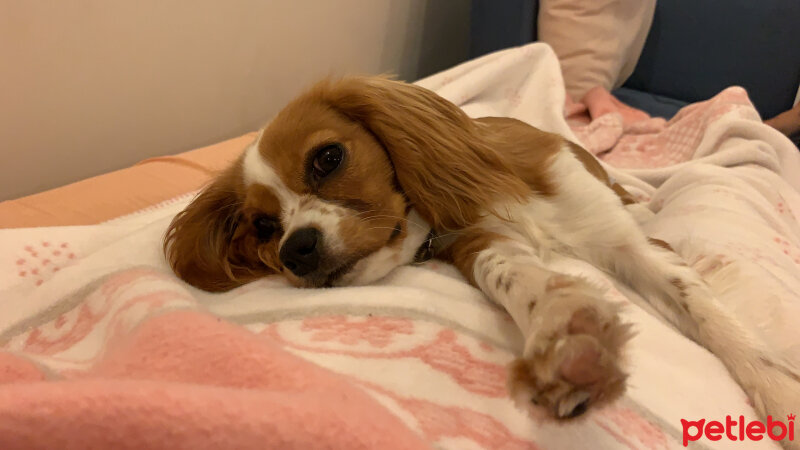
pixel 360 175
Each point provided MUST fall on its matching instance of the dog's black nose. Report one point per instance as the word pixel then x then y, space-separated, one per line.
pixel 300 252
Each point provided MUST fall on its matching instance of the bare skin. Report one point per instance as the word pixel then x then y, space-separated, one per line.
pixel 787 122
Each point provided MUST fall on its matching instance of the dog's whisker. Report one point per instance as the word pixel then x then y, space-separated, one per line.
pixel 399 219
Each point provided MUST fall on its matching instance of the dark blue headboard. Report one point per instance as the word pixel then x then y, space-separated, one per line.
pixel 499 24
pixel 695 49
pixel 691 53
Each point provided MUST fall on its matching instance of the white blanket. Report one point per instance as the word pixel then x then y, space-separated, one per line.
pixel 424 342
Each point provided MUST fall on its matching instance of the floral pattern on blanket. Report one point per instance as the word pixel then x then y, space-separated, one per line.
pixel 39 261
pixel 107 317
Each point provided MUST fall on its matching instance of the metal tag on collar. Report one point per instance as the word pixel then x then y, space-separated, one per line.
pixel 425 251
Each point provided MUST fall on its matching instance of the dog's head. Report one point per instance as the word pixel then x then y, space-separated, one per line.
pixel 338 189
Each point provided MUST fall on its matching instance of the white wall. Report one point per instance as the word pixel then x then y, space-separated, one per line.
pixel 88 86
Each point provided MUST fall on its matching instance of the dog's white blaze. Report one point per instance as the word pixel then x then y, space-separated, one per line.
pixel 295 214
pixel 319 214
pixel 256 170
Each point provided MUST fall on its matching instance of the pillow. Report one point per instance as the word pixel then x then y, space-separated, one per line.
pixel 598 42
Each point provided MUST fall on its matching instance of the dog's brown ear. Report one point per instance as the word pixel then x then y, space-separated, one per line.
pixel 442 160
pixel 206 243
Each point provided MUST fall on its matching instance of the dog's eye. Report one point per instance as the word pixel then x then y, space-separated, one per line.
pixel 327 159
pixel 265 227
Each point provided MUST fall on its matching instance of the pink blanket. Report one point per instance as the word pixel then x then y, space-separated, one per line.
pixel 627 138
pixel 187 380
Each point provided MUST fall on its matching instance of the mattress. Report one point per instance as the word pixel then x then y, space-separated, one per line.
pixel 122 192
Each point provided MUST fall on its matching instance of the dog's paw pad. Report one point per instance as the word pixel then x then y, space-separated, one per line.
pixel 573 359
pixel 586 321
pixel 573 377
pixel 581 364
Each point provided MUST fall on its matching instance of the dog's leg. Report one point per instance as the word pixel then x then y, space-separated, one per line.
pixel 670 285
pixel 573 337
pixel 591 221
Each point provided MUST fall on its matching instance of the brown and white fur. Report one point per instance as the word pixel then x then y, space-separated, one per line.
pixel 504 195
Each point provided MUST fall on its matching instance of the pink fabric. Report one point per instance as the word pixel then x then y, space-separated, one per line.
pixel 189 380
pixel 114 366
pixel 628 138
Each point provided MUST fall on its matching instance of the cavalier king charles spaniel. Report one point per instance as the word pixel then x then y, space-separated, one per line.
pixel 360 175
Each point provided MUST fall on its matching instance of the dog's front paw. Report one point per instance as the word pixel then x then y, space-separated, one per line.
pixel 572 357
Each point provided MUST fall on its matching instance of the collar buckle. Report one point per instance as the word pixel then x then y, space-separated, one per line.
pixel 426 250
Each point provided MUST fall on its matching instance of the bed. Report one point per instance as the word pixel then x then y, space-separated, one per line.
pixel 122 192
pixel 102 345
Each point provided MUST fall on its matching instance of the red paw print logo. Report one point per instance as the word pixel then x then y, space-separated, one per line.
pixel 40 261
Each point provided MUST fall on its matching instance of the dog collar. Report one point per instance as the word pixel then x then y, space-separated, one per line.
pixel 425 251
